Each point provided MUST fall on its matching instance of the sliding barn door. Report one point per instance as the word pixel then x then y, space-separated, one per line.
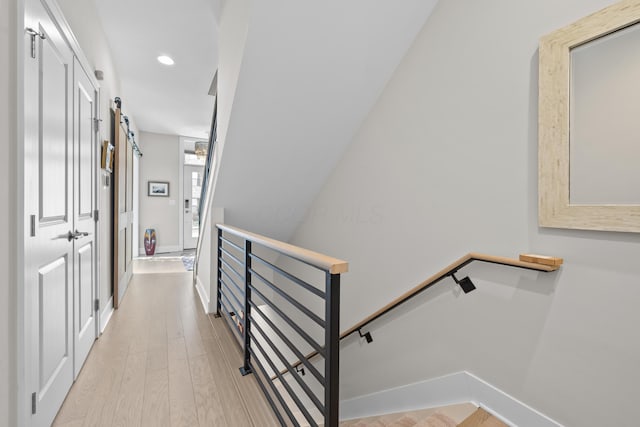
pixel 122 210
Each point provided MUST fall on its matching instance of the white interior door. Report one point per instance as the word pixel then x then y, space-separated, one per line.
pixel 84 246
pixel 49 206
pixel 191 204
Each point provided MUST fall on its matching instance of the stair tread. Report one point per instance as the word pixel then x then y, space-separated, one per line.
pixel 482 418
pixel 446 416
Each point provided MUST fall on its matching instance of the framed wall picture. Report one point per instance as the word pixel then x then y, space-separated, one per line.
pixel 158 189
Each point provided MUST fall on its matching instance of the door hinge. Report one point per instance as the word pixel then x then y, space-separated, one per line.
pixel 33 34
pixel 96 124
pixel 33 403
pixel 96 305
pixel 96 215
pixel 33 226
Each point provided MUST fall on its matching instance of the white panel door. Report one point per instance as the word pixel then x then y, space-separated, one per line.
pixel 84 253
pixel 49 206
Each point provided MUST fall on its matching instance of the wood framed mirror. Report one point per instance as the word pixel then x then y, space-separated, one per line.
pixel 589 122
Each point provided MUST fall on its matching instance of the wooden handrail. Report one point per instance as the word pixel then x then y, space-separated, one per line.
pixel 452 268
pixel 323 262
pixel 526 261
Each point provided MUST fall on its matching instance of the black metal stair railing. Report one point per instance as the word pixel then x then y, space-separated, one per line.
pixel 277 317
pixel 209 163
pixel 205 193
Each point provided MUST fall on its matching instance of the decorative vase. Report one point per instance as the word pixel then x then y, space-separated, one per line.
pixel 150 241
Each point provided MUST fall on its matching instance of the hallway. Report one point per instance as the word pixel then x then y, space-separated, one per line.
pixel 162 362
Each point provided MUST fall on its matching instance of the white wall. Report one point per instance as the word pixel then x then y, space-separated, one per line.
pixel 232 36
pixel 161 162
pixel 204 263
pixel 233 25
pixel 233 20
pixel 8 198
pixel 309 73
pixel 207 267
pixel 445 164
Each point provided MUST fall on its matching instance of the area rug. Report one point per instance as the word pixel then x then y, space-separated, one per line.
pixel 188 262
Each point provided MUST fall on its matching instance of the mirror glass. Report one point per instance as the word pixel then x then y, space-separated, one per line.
pixel 604 122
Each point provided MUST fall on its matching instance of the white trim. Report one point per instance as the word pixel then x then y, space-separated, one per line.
pixel 136 204
pixel 183 146
pixel 450 389
pixel 60 19
pixel 124 285
pixel 181 193
pixel 206 302
pixel 106 314
pixel 436 392
pixel 20 414
pixel 97 177
pixel 506 407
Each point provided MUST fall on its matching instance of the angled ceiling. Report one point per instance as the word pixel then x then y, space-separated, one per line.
pixel 310 73
pixel 164 99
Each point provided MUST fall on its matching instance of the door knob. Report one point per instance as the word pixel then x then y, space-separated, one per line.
pixel 81 234
pixel 75 235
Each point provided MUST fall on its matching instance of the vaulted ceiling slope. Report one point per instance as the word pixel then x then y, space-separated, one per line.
pixel 310 73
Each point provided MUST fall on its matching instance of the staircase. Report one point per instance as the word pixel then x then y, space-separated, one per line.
pixel 286 325
pixel 462 415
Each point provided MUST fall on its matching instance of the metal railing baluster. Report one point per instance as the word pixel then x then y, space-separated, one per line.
pixel 219 286
pixel 332 350
pixel 246 368
pixel 276 342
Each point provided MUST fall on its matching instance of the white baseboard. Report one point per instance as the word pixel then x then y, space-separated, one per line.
pixel 162 250
pixel 450 389
pixel 106 314
pixel 206 302
pixel 124 285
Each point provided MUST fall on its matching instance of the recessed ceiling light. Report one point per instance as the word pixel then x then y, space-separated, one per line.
pixel 166 60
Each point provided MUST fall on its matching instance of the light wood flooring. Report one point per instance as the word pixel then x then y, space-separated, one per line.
pixel 162 362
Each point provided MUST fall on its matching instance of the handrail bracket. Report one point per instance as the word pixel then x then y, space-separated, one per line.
pixel 367 336
pixel 465 283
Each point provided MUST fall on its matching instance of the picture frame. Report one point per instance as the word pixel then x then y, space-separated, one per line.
pixel 158 189
pixel 556 98
pixel 107 156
